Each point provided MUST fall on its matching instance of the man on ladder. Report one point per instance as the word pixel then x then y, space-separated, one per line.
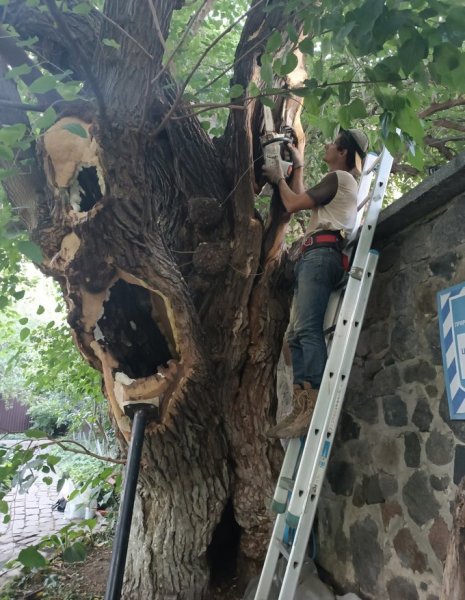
pixel 320 267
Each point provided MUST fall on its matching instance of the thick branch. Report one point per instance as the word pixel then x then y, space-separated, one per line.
pixel 439 106
pixel 73 42
pixel 449 124
pixel 16 56
pixel 53 45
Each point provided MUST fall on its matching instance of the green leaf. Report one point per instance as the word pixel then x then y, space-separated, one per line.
pixel 61 483
pixel 24 333
pixel 111 43
pixel 30 250
pixel 409 122
pixel 344 92
pixel 267 101
pixel 3 506
pixel 266 70
pixel 30 41
pixel 6 152
pixel 289 64
pixel 82 8
pixel 357 109
pixel 77 552
pixel 53 460
pixel 76 129
pixel 23 69
pixel 35 434
pixel 9 134
pixel 47 119
pixel 47 480
pixel 412 52
pixel 254 90
pixel 31 558
pixel 236 91
pixel 6 519
pixel 40 310
pixel 23 320
pixel 307 46
pixel 43 84
pixel 274 42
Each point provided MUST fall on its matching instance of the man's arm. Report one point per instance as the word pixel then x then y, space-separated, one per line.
pixel 298 199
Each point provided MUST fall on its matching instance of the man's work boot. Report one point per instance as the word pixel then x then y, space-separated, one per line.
pixel 297 422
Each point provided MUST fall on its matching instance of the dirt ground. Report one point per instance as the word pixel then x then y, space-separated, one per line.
pixel 87 581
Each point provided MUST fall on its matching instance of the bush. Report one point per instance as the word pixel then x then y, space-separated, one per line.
pixel 50 414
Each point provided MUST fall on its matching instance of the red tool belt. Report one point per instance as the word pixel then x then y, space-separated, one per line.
pixel 330 239
pixel 326 239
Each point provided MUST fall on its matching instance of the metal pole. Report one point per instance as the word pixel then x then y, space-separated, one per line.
pixel 123 529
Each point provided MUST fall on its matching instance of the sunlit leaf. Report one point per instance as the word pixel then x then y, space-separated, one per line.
pixel 111 43
pixel 30 250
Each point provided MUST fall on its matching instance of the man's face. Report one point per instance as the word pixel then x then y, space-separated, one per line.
pixel 332 151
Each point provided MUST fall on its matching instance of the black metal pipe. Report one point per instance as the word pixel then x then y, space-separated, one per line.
pixel 123 529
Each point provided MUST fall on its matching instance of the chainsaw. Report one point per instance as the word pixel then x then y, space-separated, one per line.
pixel 274 145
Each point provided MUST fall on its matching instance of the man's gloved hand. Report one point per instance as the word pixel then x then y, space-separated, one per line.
pixel 275 171
pixel 296 155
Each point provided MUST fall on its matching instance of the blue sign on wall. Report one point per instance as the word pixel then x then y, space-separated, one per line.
pixel 451 310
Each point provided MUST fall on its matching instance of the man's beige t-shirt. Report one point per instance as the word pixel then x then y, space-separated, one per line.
pixel 336 203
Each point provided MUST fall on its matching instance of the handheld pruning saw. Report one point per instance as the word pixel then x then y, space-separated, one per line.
pixel 274 144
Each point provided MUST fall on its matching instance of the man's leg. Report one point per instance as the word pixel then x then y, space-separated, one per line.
pixel 319 272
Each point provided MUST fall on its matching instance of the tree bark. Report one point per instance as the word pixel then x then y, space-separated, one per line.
pixel 174 285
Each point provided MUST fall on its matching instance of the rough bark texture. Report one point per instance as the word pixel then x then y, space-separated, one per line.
pixel 174 286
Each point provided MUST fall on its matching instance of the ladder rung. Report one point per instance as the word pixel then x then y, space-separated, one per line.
pixel 374 165
pixel 329 330
pixel 286 483
pixel 283 549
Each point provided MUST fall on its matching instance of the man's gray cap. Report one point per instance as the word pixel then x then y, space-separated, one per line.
pixel 360 140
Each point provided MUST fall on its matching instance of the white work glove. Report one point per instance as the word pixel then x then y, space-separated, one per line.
pixel 275 171
pixel 296 155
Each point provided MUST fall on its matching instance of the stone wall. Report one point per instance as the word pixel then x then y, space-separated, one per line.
pixel 385 512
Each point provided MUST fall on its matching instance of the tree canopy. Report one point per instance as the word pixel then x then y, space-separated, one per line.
pixel 131 162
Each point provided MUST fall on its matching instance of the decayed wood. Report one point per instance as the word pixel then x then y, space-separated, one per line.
pixel 453 587
pixel 153 229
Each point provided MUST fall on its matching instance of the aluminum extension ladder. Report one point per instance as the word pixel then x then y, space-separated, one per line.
pixel 303 470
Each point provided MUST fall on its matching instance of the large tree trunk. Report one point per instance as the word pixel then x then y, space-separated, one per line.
pixel 174 285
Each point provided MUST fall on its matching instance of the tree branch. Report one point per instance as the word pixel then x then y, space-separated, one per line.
pixel 15 57
pixel 196 66
pixel 439 106
pixel 449 124
pixel 189 27
pixel 61 444
pixel 58 16
pixel 206 107
pixel 157 24
pixel 22 106
pixel 128 35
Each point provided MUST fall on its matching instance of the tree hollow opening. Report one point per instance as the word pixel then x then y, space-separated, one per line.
pixel 131 326
pixel 223 549
pixel 89 188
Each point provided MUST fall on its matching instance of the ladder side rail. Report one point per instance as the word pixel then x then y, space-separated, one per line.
pixel 288 467
pixel 318 441
pixel 373 210
pixel 340 342
pixel 275 548
pixel 364 197
pixel 298 550
pixel 363 192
